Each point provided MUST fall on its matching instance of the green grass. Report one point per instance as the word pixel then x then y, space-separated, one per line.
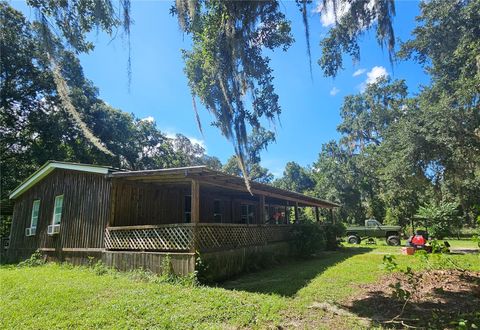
pixel 59 296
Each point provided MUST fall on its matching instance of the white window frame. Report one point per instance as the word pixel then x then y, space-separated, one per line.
pixel 55 211
pixel 35 202
pixel 32 230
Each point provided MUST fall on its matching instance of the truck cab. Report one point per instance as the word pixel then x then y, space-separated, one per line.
pixel 373 228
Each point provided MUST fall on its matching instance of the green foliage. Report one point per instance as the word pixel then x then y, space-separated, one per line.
pixel 256 171
pixel 333 231
pixel 35 127
pixel 307 239
pixel 226 63
pixel 476 239
pixel 440 218
pixel 5 223
pixel 389 263
pixel 273 296
pixel 398 152
pixel 343 38
pixel 36 259
pixel 295 178
pixel 99 268
pixel 229 39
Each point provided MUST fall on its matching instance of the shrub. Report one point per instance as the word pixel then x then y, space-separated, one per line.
pixel 307 239
pixel 440 218
pixel 332 232
pixel 36 259
pixel 100 268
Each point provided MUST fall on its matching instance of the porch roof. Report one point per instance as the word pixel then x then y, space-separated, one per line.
pixel 222 180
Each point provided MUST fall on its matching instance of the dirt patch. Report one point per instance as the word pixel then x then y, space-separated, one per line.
pixel 439 299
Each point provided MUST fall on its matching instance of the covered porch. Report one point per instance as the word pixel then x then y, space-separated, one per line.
pixel 198 209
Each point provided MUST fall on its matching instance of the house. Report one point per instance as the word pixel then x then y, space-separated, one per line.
pixel 131 219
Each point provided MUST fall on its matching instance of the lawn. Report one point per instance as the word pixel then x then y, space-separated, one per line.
pixel 61 296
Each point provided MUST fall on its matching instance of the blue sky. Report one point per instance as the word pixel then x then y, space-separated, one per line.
pixel 310 108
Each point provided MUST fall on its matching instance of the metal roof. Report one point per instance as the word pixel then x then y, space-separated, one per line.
pixel 48 167
pixel 205 174
pixel 201 173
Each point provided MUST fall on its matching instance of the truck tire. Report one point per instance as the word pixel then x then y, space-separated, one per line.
pixel 353 239
pixel 393 240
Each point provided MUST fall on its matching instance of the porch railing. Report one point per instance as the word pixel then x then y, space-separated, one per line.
pixel 191 237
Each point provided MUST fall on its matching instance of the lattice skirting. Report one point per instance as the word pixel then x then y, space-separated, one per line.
pixel 188 237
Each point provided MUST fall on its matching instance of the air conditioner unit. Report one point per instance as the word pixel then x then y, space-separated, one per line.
pixel 30 231
pixel 53 229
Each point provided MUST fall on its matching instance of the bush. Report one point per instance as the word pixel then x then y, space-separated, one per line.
pixel 332 232
pixel 36 259
pixel 100 268
pixel 440 218
pixel 307 239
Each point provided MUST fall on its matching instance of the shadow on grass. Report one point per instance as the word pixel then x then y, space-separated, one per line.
pixel 452 299
pixel 289 277
pixel 427 314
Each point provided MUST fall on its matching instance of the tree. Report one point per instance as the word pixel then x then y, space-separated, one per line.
pixel 295 178
pixel 256 171
pixel 193 154
pixel 227 52
pixel 336 179
pixel 36 128
pixel 367 116
pixel 446 43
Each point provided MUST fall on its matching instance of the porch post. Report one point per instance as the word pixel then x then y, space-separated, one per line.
pixel 331 216
pixel 296 211
pixel 195 212
pixel 113 200
pixel 317 215
pixel 195 207
pixel 262 209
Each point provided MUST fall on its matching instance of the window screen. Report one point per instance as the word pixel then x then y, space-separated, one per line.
pixel 35 211
pixel 187 209
pixel 57 211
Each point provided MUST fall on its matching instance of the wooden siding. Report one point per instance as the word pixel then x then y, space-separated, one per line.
pixel 148 204
pixel 181 263
pixel 84 213
pixel 139 204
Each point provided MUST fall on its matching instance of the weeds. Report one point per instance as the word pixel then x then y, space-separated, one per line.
pixel 36 259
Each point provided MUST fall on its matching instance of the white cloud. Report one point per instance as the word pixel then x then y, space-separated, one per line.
pixel 359 72
pixel 198 141
pixel 376 73
pixel 327 16
pixel 334 91
pixel 172 135
pixel 149 119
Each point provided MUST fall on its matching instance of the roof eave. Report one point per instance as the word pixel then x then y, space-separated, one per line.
pixel 48 167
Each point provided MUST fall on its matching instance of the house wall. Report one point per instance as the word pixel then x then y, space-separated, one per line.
pixel 84 215
pixel 153 204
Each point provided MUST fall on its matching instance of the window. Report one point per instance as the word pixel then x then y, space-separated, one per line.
pixel 247 214
pixel 372 223
pixel 35 211
pixel 32 230
pixel 57 211
pixel 217 211
pixel 187 208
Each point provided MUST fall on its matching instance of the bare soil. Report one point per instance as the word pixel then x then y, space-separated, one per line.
pixel 439 299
